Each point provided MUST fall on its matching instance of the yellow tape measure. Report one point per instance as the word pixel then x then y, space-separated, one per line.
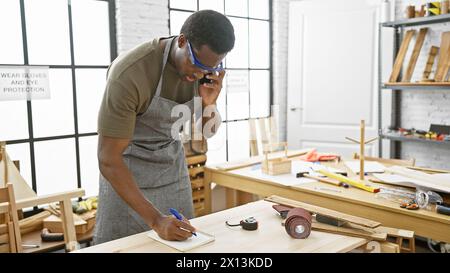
pixel 349 181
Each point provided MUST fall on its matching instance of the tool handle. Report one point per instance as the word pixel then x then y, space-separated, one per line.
pixel 443 209
pixel 333 182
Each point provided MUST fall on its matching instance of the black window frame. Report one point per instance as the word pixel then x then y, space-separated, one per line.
pixel 73 67
pixel 270 69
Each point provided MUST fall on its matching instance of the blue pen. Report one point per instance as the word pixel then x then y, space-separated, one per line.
pixel 179 217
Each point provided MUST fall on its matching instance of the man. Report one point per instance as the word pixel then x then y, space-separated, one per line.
pixel 143 167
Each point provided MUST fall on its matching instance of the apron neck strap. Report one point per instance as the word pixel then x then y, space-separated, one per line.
pixel 165 59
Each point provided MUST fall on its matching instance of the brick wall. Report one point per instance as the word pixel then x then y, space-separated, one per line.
pixel 138 21
pixel 420 108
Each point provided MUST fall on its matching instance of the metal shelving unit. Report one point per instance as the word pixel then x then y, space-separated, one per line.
pixel 396 140
pixel 396 137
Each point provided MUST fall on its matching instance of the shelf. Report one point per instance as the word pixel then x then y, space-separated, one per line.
pixel 418 21
pixel 414 139
pixel 419 86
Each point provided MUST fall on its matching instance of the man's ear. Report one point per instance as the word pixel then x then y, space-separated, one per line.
pixel 181 40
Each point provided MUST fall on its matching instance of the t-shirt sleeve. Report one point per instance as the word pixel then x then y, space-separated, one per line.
pixel 118 110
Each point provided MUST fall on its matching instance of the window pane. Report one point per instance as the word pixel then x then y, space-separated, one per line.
pixel 236 7
pixel 216 5
pixel 56 168
pixel 238 57
pixel 89 165
pixel 259 44
pixel 238 140
pixel 13 120
pixel 21 152
pixel 91 32
pixel 259 93
pixel 258 9
pixel 237 94
pixel 217 148
pixel 54 116
pixel 221 101
pixel 90 88
pixel 11 52
pixel 177 19
pixel 47 31
pixel 183 4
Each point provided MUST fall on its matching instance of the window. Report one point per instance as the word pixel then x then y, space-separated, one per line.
pixel 55 139
pixel 246 92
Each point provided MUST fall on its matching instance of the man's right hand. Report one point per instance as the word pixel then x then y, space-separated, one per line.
pixel 172 229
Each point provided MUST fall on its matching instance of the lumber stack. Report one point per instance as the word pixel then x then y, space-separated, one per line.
pixel 195 165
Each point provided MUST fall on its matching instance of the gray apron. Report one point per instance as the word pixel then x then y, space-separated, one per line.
pixel 158 165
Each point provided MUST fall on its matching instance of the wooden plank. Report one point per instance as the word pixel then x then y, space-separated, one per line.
pixel 401 55
pixel 4 248
pixel 443 57
pixel 417 84
pixel 349 231
pixel 15 218
pixel 3 195
pixel 207 179
pixel 194 172
pixel 258 159
pixel 12 237
pixel 388 247
pixel 421 179
pixel 447 67
pixel 323 211
pixel 407 234
pixel 430 61
pixel 378 247
pixel 230 198
pixel 3 238
pixel 196 159
pixel 400 162
pixel 196 195
pixel 70 237
pixel 415 55
pixel 197 183
pixel 253 137
pixel 50 198
pixel 427 170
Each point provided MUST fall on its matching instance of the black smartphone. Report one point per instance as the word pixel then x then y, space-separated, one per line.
pixel 205 80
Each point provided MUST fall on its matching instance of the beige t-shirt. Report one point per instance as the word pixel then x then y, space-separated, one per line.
pixel 131 85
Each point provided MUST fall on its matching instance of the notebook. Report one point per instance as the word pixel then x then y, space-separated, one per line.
pixel 191 243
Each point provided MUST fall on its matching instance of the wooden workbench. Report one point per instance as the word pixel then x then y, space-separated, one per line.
pixel 270 236
pixel 351 201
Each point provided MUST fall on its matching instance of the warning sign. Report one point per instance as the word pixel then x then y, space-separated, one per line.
pixel 24 83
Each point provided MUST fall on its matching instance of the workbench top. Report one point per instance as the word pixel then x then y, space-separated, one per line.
pixel 270 237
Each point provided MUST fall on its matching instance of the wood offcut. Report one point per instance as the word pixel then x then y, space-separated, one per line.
pixel 415 55
pixel 401 55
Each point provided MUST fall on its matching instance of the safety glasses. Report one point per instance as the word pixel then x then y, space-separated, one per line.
pixel 197 63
